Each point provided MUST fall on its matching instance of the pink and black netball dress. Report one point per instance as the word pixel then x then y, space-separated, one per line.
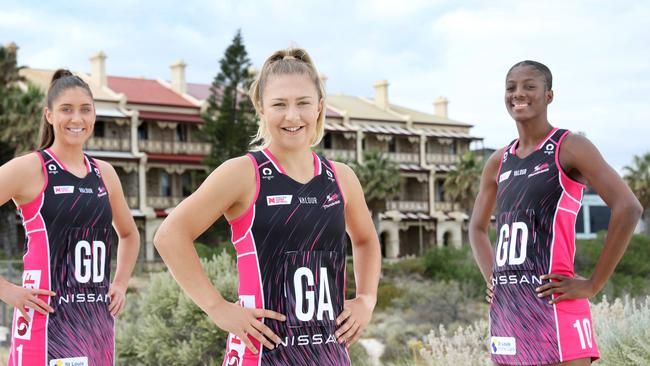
pixel 68 251
pixel 291 259
pixel 537 206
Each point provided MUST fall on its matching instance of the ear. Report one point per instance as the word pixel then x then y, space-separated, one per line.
pixel 549 96
pixel 48 115
pixel 320 105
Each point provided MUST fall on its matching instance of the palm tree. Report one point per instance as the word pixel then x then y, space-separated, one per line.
pixel 462 183
pixel 637 177
pixel 380 180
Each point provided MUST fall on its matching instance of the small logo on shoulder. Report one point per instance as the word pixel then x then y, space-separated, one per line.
pixel 267 173
pixel 51 168
pixel 503 346
pixel 63 189
pixel 284 199
pixel 549 149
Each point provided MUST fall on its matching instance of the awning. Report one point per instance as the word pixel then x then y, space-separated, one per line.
pixel 109 112
pixel 111 155
pixel 171 117
pixel 339 128
pixel 388 130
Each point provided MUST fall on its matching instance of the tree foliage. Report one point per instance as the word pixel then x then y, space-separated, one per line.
pixel 462 183
pixel 637 176
pixel 380 180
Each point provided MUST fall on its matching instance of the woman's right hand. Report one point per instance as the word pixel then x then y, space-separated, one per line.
pixel 22 298
pixel 243 322
pixel 489 293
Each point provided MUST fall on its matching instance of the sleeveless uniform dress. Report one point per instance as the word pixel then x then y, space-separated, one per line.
pixel 537 206
pixel 68 251
pixel 290 248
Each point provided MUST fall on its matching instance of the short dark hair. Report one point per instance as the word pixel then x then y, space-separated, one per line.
pixel 539 67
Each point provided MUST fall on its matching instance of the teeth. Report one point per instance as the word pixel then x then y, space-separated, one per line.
pixel 75 130
pixel 292 129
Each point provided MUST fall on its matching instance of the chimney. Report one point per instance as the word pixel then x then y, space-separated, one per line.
pixel 178 77
pixel 440 107
pixel 381 94
pixel 98 68
pixel 11 47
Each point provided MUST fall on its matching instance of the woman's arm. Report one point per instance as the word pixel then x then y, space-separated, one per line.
pixel 129 238
pixel 22 179
pixel 367 258
pixel 230 188
pixel 480 220
pixel 583 162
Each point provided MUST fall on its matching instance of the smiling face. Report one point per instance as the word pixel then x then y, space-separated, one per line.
pixel 290 109
pixel 72 116
pixel 527 96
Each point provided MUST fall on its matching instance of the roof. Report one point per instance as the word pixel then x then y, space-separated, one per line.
pixel 417 116
pixel 199 91
pixel 360 108
pixel 146 91
pixel 42 78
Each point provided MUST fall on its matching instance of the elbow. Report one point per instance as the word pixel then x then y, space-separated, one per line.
pixel 631 209
pixel 158 238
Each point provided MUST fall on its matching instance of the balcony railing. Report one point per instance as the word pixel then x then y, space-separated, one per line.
pixel 443 206
pixel 107 144
pixel 408 206
pixel 403 157
pixel 163 202
pixel 442 158
pixel 339 154
pixel 174 147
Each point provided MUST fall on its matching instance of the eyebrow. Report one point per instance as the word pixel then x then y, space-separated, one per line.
pixel 284 99
pixel 70 104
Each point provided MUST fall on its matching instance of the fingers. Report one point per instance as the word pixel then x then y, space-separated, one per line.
pixel 343 316
pixel 560 298
pixel 268 333
pixel 553 276
pixel 356 337
pixel 347 331
pixel 43 292
pixel 23 311
pixel 270 314
pixel 116 305
pixel 243 336
pixel 548 289
pixel 39 305
pixel 253 332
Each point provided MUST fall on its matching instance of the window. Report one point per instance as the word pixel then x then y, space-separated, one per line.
pixel 327 140
pixel 452 148
pixel 143 131
pixel 580 221
pixel 363 144
pixel 599 218
pixel 440 190
pixel 165 187
pixel 181 132
pixel 392 144
pixel 100 129
pixel 186 184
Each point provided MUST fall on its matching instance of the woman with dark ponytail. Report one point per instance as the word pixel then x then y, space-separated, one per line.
pixel 68 201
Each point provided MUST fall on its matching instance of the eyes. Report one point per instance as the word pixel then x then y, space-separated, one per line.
pixel 511 88
pixel 283 104
pixel 68 109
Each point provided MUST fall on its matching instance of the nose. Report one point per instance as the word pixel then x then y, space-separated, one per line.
pixel 292 113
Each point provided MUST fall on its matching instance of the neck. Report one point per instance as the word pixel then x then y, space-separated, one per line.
pixel 532 131
pixel 70 155
pixel 292 158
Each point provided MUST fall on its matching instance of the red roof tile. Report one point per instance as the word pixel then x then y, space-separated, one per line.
pixel 146 91
pixel 172 117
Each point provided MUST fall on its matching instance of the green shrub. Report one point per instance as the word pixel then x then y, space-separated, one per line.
pixel 162 326
pixel 452 264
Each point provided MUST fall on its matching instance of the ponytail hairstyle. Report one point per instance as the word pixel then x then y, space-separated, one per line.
pixel 548 77
pixel 61 80
pixel 286 62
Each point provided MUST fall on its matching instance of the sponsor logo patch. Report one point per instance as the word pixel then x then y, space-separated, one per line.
pixel 503 346
pixel 505 176
pixel 332 199
pixel 63 189
pixel 23 328
pixel 101 191
pixel 284 199
pixel 539 169
pixel 85 190
pixel 74 361
pixel 308 200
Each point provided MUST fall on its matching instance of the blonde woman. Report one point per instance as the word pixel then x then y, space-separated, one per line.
pixel 289 209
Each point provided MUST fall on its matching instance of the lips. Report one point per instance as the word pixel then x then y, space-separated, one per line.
pixel 293 129
pixel 517 106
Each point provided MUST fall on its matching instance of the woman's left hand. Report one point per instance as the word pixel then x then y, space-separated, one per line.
pixel 354 318
pixel 568 288
pixel 117 294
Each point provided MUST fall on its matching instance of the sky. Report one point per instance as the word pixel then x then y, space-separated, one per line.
pixel 598 51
